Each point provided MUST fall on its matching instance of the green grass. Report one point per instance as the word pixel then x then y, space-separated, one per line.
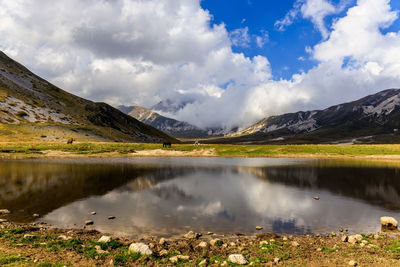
pixel 10 259
pixel 218 150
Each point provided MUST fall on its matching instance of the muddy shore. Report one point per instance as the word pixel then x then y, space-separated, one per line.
pixel 42 245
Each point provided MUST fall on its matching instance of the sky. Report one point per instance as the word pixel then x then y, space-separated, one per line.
pixel 233 62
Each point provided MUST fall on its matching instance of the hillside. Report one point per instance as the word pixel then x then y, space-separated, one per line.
pixel 32 108
pixel 175 128
pixel 372 119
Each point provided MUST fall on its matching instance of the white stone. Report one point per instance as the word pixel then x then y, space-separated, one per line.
pixel 162 241
pixel 352 263
pixel 203 262
pixel 352 239
pixel 140 248
pixel 105 239
pixel 389 222
pixel 4 211
pixel 295 244
pixel 216 241
pixel 344 238
pixel 64 237
pixel 191 235
pixel 203 244
pixel 238 259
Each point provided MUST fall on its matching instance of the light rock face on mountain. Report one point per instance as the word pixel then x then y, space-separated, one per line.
pixel 170 126
pixel 31 106
pixel 375 114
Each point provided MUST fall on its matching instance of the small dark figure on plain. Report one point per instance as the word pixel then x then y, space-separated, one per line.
pixel 166 144
pixel 70 141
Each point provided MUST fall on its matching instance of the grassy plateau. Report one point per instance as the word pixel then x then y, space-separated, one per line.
pixel 114 149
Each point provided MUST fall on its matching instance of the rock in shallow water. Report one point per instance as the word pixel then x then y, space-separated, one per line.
pixel 238 259
pixel 389 222
pixel 140 248
pixel 89 222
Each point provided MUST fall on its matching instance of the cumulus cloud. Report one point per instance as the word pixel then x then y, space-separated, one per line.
pixel 141 52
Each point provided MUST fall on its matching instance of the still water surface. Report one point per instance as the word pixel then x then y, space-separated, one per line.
pixel 169 196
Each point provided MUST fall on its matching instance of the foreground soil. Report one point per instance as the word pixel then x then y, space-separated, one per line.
pixel 41 245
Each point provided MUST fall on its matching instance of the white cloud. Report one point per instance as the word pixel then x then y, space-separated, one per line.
pixel 315 10
pixel 166 49
pixel 240 37
pixel 262 39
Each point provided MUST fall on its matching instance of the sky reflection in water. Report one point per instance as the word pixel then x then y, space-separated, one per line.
pixel 170 196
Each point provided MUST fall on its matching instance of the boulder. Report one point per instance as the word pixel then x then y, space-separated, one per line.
pixel 238 259
pixel 259 228
pixel 140 248
pixel 389 222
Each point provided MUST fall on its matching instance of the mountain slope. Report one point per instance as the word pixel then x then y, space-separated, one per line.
pixel 170 126
pixel 374 115
pixel 31 107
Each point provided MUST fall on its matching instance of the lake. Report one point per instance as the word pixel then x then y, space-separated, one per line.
pixel 170 196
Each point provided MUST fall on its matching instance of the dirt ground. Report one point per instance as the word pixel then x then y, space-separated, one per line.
pixel 42 245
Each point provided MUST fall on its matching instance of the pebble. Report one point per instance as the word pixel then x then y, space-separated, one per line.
pixel 202 244
pixel 163 252
pixel 203 262
pixel 258 228
pixel 277 260
pixel 64 237
pixel 111 217
pixel 99 250
pixel 162 241
pixel 191 235
pixel 4 211
pixel 140 248
pixel 295 244
pixel 352 263
pixel 105 239
pixel 285 238
pixel 263 242
pixel 210 233
pixel 89 222
pixel 213 242
pixel 36 215
pixel 176 258
pixel 352 239
pixel 333 234
pixel 319 249
pixel 344 238
pixel 316 197
pixel 93 213
pixel 28 236
pixel 238 259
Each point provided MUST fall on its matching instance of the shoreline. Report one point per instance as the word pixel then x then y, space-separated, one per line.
pixel 39 244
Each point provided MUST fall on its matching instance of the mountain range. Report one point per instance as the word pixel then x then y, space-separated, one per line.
pixel 33 108
pixel 175 128
pixel 372 119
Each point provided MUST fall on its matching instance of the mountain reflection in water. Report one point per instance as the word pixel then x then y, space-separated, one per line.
pixel 169 196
